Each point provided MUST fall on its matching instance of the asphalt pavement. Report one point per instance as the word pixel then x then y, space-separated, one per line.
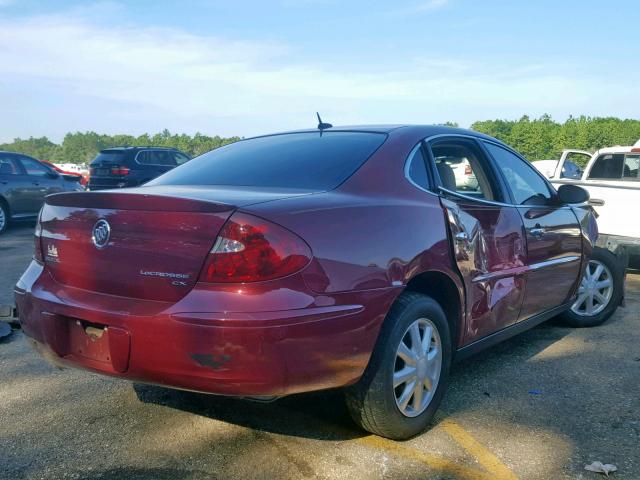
pixel 539 406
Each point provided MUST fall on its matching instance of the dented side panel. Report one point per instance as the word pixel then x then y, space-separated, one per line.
pixel 490 252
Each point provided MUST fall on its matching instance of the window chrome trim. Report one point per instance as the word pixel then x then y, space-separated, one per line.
pixel 407 168
pixel 461 195
pixel 473 199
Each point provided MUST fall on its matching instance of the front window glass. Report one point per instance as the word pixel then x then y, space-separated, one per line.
pixel 526 184
pixel 571 170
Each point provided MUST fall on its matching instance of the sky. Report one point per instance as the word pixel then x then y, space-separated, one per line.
pixel 252 67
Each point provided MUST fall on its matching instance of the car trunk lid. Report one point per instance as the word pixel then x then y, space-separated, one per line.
pixel 156 245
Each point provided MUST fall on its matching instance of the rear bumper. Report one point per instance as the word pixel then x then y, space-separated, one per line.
pixel 317 342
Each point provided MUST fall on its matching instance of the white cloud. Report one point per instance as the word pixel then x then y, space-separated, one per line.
pixel 189 82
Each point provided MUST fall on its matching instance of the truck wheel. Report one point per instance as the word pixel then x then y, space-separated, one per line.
pixel 4 217
pixel 600 291
pixel 407 375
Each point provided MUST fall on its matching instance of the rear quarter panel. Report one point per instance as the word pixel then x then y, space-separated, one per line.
pixel 376 231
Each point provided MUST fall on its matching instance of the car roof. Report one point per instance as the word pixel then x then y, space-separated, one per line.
pixel 423 130
pixel 616 149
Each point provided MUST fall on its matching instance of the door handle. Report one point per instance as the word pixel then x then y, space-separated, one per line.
pixel 36 183
pixel 537 231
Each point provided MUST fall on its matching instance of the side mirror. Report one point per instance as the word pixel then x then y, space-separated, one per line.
pixel 572 194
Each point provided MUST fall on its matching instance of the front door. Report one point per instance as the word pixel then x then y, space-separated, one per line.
pixel 487 236
pixel 553 236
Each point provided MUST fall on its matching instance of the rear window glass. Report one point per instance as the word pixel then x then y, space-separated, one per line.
pixel 295 160
pixel 631 169
pixel 110 157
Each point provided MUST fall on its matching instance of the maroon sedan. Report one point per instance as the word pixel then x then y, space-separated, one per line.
pixel 349 257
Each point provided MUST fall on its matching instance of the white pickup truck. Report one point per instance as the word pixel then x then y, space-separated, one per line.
pixel 612 177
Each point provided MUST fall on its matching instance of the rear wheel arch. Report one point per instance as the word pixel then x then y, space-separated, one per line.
pixel 444 290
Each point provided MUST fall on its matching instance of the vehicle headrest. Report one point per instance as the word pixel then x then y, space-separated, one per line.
pixel 447 176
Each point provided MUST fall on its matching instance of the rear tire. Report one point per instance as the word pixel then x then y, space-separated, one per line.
pixel 604 269
pixel 405 409
pixel 4 217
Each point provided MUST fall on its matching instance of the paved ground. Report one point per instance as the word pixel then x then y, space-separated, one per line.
pixel 539 406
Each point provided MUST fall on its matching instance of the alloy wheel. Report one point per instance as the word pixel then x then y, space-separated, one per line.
pixel 595 290
pixel 3 219
pixel 417 367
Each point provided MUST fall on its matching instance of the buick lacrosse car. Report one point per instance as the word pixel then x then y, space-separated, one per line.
pixel 340 258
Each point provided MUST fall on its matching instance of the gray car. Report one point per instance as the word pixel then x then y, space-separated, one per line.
pixel 24 182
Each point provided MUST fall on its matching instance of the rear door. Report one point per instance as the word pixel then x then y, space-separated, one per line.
pixel 553 237
pixel 486 233
pixel 154 163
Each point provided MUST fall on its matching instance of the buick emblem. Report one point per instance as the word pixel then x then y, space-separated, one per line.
pixel 101 233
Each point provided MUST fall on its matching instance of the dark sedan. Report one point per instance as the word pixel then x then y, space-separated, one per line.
pixel 24 182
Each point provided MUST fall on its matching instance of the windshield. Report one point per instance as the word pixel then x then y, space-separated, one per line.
pixel 296 160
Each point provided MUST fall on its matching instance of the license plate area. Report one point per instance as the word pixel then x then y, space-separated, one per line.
pixel 89 340
pixel 98 346
pixel 100 172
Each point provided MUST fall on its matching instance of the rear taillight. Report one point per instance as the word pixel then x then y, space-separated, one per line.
pixel 467 170
pixel 250 249
pixel 119 170
pixel 37 235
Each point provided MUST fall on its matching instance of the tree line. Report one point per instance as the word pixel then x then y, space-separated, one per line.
pixel 537 139
pixel 543 138
pixel 82 147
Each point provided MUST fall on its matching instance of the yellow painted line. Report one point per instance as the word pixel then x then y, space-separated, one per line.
pixel 433 461
pixel 488 460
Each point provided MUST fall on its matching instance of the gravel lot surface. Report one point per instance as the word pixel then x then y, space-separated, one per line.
pixel 539 406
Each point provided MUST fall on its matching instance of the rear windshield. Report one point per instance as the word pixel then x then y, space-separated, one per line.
pixel 295 160
pixel 110 157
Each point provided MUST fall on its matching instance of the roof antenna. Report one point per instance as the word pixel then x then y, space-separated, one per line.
pixel 321 125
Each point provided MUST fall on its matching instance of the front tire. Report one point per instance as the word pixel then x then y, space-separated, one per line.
pixel 600 291
pixel 408 373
